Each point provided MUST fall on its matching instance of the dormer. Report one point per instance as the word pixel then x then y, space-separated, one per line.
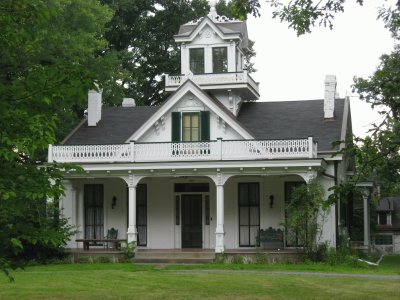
pixel 212 56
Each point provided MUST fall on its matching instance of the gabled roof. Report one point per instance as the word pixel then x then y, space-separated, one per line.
pixel 212 104
pixel 293 119
pixel 116 125
pixel 229 28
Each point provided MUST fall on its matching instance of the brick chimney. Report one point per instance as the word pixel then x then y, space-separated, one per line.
pixel 329 97
pixel 128 102
pixel 94 107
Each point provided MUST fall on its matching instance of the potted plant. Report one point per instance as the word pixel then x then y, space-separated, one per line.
pixel 270 238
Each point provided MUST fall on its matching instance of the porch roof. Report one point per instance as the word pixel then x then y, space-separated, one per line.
pixel 388 204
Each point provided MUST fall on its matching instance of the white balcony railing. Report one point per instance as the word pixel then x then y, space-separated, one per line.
pixel 174 81
pixel 193 151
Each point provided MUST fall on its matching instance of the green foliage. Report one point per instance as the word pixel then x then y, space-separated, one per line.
pixel 129 250
pixel 238 9
pixel 251 281
pixel 305 206
pixel 382 88
pixel 261 257
pixel 141 32
pixel 376 156
pixel 51 54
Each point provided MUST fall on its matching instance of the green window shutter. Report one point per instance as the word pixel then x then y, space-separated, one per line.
pixel 176 127
pixel 205 125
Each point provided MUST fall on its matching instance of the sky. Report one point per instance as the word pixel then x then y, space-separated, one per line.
pixel 294 68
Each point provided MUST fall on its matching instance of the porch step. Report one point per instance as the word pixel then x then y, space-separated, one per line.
pixel 174 257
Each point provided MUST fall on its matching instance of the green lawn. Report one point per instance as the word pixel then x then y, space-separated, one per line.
pixel 94 281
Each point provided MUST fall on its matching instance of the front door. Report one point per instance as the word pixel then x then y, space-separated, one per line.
pixel 192 230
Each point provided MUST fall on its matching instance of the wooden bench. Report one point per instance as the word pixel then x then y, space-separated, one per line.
pixel 87 242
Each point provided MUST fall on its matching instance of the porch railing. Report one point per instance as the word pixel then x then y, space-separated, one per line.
pixel 212 78
pixel 191 151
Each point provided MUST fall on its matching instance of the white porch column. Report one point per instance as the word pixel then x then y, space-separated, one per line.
pixel 132 182
pixel 367 233
pixel 219 232
pixel 219 180
pixel 132 231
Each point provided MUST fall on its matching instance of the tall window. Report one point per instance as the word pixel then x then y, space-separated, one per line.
pixel 190 127
pixel 197 60
pixel 220 60
pixel 249 213
pixel 94 211
pixel 141 214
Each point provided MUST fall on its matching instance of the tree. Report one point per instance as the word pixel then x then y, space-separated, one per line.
pixel 377 154
pixel 52 52
pixel 142 32
pixel 303 15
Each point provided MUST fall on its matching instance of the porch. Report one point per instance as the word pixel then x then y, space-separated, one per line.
pixel 207 213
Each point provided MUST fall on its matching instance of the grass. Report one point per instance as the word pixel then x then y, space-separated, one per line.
pixel 106 281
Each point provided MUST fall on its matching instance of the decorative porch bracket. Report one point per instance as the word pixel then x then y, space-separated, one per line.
pixel 219 180
pixel 308 176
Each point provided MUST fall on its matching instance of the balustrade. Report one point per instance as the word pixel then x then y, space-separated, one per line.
pixel 193 151
pixel 211 78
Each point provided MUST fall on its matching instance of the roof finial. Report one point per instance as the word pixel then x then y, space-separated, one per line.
pixel 213 12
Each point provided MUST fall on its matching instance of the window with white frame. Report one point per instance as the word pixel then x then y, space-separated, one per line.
pixel 220 59
pixel 196 59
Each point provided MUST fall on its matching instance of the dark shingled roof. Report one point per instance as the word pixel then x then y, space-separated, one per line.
pixel 293 119
pixel 388 204
pixel 116 126
pixel 264 120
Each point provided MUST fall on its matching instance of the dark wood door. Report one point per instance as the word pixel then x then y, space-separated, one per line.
pixel 192 230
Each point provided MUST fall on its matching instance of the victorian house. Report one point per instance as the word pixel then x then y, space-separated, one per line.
pixel 209 167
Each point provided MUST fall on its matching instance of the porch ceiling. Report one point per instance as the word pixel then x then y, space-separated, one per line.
pixel 176 169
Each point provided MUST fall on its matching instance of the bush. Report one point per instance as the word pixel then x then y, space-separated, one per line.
pixel 103 259
pixel 129 250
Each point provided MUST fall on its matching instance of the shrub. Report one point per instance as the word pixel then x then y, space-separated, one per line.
pixel 103 259
pixel 129 250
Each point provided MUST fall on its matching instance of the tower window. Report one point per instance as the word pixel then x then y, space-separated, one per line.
pixel 197 60
pixel 220 60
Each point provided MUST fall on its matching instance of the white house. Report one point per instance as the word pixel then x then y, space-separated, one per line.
pixel 209 167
